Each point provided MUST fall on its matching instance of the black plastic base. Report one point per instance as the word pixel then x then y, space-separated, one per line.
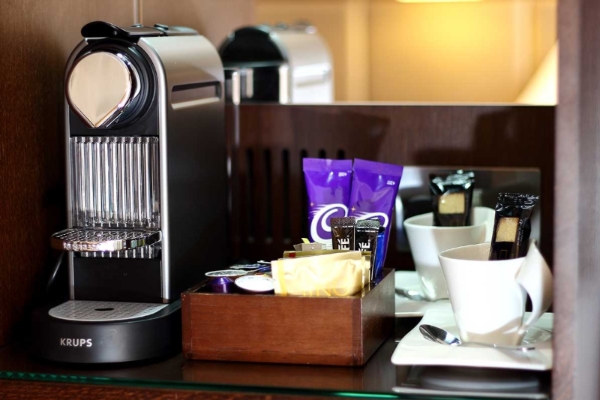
pixel 154 336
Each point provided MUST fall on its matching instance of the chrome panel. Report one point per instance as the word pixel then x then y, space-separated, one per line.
pixel 193 160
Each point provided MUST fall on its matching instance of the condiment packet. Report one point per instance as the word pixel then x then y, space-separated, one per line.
pixel 343 233
pixel 309 246
pixel 332 275
pixel 311 253
pixel 328 189
pixel 452 196
pixel 373 194
pixel 512 225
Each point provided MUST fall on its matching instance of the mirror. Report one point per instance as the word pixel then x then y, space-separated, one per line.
pixel 414 196
pixel 469 51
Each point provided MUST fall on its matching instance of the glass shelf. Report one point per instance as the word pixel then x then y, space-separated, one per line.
pixel 378 378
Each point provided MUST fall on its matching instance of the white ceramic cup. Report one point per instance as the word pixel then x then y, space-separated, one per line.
pixel 488 297
pixel 427 241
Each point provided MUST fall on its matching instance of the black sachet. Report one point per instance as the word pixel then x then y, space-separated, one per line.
pixel 343 233
pixel 366 238
pixel 512 226
pixel 366 234
pixel 452 195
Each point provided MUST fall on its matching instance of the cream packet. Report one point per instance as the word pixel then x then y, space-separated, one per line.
pixel 308 246
pixel 331 275
pixel 312 253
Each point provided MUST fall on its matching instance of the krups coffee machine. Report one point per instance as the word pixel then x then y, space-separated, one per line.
pixel 146 191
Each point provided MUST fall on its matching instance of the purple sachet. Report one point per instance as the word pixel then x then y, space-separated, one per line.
pixel 374 189
pixel 328 188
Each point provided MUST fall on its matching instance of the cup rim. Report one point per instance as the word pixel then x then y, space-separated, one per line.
pixel 410 222
pixel 446 254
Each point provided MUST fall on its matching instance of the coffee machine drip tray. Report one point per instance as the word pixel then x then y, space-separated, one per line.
pixel 89 239
pixel 103 311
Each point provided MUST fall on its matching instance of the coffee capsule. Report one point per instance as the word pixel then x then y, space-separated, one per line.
pixel 222 285
pixel 223 281
pixel 259 284
pixel 225 273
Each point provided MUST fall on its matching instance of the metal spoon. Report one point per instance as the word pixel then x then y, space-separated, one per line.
pixel 411 294
pixel 439 335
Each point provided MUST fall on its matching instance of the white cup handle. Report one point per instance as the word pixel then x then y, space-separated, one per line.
pixel 535 277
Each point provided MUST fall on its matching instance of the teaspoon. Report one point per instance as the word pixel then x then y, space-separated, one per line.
pixel 411 294
pixel 442 336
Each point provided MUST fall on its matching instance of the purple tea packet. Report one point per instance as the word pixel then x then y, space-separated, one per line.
pixel 328 187
pixel 374 189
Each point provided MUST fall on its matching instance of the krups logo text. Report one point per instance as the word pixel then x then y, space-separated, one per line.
pixel 76 342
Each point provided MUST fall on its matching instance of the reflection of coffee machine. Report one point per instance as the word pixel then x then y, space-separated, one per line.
pixel 146 191
pixel 285 64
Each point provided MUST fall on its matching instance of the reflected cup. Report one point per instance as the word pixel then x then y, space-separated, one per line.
pixel 427 241
pixel 488 297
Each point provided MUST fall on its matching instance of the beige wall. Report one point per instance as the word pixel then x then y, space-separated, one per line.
pixel 483 51
pixel 215 19
pixel 470 52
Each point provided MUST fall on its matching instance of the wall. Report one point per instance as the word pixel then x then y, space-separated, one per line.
pixel 483 51
pixel 343 24
pixel 36 37
pixel 215 19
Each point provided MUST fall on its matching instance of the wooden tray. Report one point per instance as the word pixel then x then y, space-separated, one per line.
pixel 288 329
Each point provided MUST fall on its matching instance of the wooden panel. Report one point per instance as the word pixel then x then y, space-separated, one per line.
pixel 36 38
pixel 213 19
pixel 577 272
pixel 481 136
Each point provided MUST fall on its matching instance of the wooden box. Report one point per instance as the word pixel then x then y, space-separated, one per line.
pixel 288 329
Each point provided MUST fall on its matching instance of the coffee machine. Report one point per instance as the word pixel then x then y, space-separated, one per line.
pixel 146 191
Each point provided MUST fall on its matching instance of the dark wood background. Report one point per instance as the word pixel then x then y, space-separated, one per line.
pixel 577 253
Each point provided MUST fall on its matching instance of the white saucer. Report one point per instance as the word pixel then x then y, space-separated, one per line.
pixel 405 307
pixel 414 349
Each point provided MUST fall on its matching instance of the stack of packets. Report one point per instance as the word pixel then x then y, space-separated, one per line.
pixel 348 233
pixel 365 190
pixel 321 273
pixel 307 246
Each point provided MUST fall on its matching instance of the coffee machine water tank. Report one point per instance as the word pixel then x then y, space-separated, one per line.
pixel 146 191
